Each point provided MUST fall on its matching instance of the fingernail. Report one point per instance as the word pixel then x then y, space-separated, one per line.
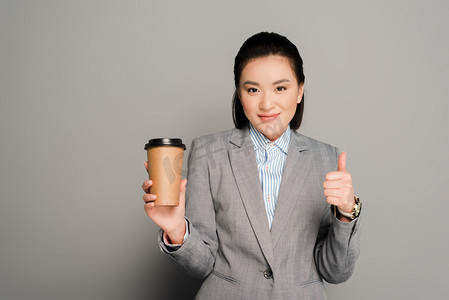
pixel 152 197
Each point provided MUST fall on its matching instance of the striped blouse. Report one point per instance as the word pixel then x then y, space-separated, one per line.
pixel 270 157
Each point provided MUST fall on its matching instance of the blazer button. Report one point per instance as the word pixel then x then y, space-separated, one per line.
pixel 268 274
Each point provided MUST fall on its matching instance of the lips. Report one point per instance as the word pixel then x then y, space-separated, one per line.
pixel 268 117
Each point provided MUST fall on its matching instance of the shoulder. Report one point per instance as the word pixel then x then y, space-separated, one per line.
pixel 210 147
pixel 211 144
pixel 216 136
pixel 316 147
pixel 214 141
pixel 311 142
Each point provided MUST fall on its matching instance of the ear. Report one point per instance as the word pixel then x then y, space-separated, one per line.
pixel 300 93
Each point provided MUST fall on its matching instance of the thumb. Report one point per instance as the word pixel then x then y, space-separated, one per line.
pixel 342 162
pixel 182 195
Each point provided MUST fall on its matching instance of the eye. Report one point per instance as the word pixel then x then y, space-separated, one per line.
pixel 252 90
pixel 281 88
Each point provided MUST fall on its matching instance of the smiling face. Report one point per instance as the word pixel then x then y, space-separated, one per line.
pixel 269 93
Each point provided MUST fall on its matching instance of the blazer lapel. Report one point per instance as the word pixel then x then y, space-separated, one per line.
pixel 243 162
pixel 295 172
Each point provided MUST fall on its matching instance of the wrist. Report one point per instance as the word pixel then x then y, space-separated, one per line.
pixel 176 234
pixel 342 217
pixel 353 214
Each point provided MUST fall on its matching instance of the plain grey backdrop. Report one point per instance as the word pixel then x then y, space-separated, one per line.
pixel 85 84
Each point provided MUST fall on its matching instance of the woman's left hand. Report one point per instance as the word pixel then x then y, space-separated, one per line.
pixel 338 187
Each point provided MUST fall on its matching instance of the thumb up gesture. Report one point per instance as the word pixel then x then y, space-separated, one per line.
pixel 338 186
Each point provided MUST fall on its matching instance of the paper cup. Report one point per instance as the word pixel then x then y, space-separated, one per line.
pixel 164 169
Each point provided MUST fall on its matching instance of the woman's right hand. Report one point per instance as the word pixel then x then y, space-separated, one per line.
pixel 169 218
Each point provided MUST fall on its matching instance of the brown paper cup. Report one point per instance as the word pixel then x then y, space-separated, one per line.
pixel 164 168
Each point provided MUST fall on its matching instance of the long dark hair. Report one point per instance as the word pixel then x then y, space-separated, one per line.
pixel 260 45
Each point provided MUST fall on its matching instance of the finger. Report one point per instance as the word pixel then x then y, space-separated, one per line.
pixel 148 205
pixel 146 165
pixel 146 185
pixel 149 198
pixel 333 184
pixel 333 200
pixel 338 175
pixel 342 162
pixel 338 193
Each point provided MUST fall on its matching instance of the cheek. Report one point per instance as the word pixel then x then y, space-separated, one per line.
pixel 294 105
pixel 247 106
pixel 291 106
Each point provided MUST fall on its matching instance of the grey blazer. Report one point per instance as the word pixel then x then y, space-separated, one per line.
pixel 230 243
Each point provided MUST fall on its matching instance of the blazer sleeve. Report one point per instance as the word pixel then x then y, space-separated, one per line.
pixel 198 252
pixel 338 246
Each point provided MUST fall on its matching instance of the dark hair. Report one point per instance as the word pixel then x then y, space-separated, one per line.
pixel 260 45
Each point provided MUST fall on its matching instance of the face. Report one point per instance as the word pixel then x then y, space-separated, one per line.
pixel 269 93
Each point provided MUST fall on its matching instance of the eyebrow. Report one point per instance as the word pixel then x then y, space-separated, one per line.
pixel 251 83
pixel 274 83
pixel 281 81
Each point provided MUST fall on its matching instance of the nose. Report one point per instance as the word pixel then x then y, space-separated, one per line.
pixel 266 102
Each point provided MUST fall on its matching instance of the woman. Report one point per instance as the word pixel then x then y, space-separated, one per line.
pixel 259 222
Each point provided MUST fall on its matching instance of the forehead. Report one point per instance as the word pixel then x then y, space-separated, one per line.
pixel 273 67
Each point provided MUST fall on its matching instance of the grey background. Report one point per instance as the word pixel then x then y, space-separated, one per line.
pixel 84 84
